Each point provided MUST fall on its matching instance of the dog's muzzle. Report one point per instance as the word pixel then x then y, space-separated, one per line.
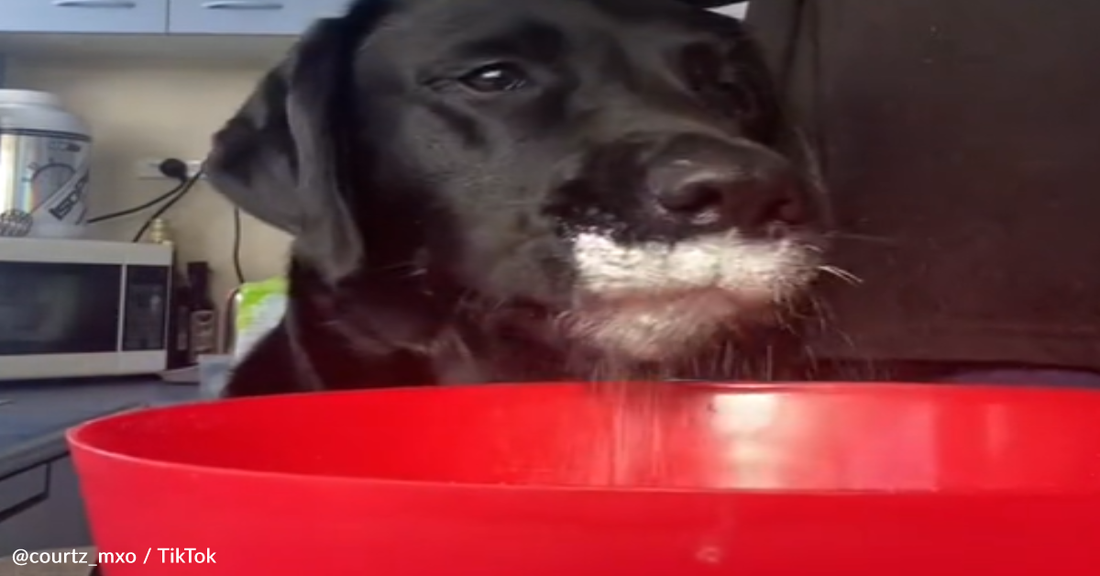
pixel 707 233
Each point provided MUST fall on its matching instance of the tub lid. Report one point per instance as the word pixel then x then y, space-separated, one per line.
pixel 29 98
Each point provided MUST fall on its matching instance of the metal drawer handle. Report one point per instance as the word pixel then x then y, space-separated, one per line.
pixel 95 4
pixel 242 5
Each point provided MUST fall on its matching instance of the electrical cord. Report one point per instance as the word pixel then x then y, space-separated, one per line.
pixel 237 245
pixel 183 191
pixel 172 168
pixel 115 215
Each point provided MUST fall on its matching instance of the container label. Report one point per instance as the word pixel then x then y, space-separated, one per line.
pixel 44 185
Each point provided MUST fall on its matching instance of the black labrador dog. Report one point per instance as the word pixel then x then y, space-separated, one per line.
pixel 493 190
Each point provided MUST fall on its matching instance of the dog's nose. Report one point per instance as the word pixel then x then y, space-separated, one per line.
pixel 743 189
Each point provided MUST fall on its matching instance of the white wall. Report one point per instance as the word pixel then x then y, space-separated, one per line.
pixel 147 111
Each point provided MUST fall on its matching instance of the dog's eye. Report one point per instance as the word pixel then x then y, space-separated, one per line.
pixel 496 78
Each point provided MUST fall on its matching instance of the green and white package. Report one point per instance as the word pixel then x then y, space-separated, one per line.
pixel 260 307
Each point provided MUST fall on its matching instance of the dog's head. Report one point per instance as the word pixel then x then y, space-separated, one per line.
pixel 622 166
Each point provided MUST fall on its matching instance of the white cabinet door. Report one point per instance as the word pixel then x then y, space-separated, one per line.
pixel 85 16
pixel 273 17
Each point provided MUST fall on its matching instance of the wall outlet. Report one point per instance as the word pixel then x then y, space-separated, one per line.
pixel 149 168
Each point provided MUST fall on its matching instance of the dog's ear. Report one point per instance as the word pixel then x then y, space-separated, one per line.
pixel 283 157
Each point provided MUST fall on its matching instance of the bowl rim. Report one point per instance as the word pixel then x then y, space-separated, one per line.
pixel 74 438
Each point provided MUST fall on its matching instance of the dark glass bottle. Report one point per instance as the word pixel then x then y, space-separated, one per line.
pixel 203 319
pixel 179 337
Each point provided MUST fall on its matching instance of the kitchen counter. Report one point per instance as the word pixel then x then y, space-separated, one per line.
pixel 34 415
pixel 40 504
pixel 71 568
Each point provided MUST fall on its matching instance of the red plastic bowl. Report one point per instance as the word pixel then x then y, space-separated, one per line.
pixel 533 480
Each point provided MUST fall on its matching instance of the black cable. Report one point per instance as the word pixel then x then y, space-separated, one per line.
pixel 168 205
pixel 170 167
pixel 175 190
pixel 237 245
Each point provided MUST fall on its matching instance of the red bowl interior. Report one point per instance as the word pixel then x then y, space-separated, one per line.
pixel 643 479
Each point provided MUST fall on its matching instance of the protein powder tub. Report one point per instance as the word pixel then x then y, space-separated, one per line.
pixel 44 156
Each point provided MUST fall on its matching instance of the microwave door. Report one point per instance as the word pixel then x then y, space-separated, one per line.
pixel 58 308
pixel 42 312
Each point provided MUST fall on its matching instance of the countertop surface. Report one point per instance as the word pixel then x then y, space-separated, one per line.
pixel 34 417
pixel 76 563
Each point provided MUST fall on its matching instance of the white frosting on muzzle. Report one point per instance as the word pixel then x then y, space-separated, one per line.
pixel 653 301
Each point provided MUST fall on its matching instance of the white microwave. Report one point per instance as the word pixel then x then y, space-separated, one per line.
pixel 80 308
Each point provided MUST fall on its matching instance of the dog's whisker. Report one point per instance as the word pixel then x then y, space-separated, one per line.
pixel 399 265
pixel 820 312
pixel 519 204
pixel 835 235
pixel 785 322
pixel 842 274
pixel 810 355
